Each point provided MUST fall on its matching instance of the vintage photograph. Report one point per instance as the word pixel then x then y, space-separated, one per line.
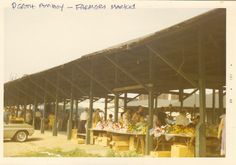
pixel 110 82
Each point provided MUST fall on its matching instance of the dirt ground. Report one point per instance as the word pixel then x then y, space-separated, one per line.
pixel 40 142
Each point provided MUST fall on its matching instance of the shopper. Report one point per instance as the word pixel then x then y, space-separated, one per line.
pixel 83 120
pixel 181 119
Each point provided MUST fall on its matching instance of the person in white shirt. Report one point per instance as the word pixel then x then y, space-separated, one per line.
pixel 83 120
pixel 181 119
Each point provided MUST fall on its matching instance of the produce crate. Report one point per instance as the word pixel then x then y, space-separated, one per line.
pixel 132 144
pixel 120 145
pixel 81 141
pixel 120 138
pixel 102 141
pixel 74 133
pixel 181 151
pixel 160 153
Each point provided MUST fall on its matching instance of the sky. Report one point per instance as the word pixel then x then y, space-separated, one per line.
pixel 41 39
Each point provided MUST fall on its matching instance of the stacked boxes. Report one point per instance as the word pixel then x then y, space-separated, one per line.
pixel 181 151
pixel 102 141
pixel 120 143
pixel 160 153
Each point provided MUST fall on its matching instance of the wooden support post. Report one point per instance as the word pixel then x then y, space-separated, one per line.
pixel 17 109
pixel 25 109
pixel 90 113
pixel 55 128
pixel 125 101
pixel 116 107
pixel 43 116
pixel 156 102
pixel 221 106
pixel 181 91
pixel 54 131
pixel 149 141
pixel 213 106
pixel 200 144
pixel 105 115
pixel 69 123
pixel 34 110
pixel 76 114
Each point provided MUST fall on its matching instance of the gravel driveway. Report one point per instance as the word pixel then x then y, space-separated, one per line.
pixel 41 142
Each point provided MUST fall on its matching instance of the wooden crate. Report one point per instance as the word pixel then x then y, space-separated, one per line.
pixel 74 133
pixel 181 151
pixel 81 141
pixel 120 145
pixel 160 153
pixel 120 138
pixel 102 141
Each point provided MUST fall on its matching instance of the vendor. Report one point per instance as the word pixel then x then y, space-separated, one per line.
pixel 125 117
pixel 181 119
pixel 137 115
pixel 83 120
pixel 96 117
pixel 159 119
pixel 110 119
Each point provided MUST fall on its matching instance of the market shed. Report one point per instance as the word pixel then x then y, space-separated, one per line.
pixel 189 55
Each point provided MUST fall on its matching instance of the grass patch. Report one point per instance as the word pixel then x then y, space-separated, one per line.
pixel 112 153
pixel 57 152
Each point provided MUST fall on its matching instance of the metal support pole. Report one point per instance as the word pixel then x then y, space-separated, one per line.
pixel 89 122
pixel 105 115
pixel 149 141
pixel 116 108
pixel 200 144
pixel 43 116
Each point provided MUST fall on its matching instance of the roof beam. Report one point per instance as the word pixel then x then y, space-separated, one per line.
pixel 55 86
pixel 73 84
pixel 126 72
pixel 38 94
pixel 42 88
pixel 179 71
pixel 94 79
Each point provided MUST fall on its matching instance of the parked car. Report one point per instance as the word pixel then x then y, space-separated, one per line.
pixel 17 131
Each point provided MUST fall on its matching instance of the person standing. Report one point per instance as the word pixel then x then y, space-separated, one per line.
pixel 181 119
pixel 37 119
pixel 83 120
pixel 222 134
pixel 96 118
pixel 28 117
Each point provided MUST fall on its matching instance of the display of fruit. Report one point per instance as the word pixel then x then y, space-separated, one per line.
pixel 178 129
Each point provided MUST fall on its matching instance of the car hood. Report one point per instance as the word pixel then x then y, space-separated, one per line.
pixel 19 125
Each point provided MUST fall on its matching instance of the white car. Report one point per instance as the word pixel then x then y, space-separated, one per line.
pixel 18 132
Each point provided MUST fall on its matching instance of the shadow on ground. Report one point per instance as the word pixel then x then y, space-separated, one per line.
pixel 29 140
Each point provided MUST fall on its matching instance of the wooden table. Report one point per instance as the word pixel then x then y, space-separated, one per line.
pixel 135 139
